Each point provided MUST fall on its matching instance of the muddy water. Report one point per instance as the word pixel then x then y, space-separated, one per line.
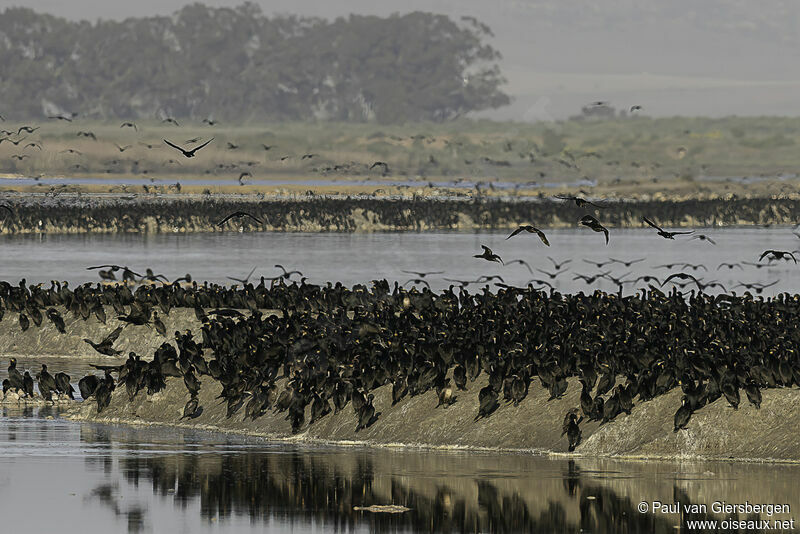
pixel 64 476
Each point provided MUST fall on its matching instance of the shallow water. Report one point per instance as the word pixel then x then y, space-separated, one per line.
pixel 361 257
pixel 97 478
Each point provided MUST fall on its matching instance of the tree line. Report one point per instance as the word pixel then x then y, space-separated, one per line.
pixel 238 64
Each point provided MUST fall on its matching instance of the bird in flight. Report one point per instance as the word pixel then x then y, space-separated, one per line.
pixel 383 165
pixel 626 263
pixel 594 224
pixel 703 237
pixel 60 118
pixel 682 276
pixel 122 148
pixel 188 153
pixel 531 230
pixel 239 214
pixel 663 233
pixel 210 122
pixel 730 266
pixel 28 129
pixel 422 274
pixel 557 266
pixel 599 264
pixel 777 255
pixel 171 121
pixel 129 125
pixel 636 108
pixel 590 279
pixel 521 262
pixel 488 255
pixel 246 278
pixel 580 202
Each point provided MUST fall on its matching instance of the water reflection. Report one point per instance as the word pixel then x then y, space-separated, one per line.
pixel 146 479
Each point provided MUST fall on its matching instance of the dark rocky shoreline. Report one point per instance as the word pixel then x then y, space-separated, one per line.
pixel 82 213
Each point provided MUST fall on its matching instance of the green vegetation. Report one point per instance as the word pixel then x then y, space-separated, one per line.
pixel 237 64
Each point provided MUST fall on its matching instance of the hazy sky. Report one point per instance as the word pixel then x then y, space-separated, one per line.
pixel 674 57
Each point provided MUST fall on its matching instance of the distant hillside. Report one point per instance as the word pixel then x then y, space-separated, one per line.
pixel 237 64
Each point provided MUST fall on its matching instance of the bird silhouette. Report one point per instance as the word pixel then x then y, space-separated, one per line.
pixel 246 278
pixel 531 230
pixel 703 237
pixel 239 214
pixel 488 255
pixel 777 255
pixel 663 233
pixel 580 202
pixel 594 224
pixel 188 153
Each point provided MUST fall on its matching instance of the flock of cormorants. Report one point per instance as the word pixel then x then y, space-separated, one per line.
pixel 335 345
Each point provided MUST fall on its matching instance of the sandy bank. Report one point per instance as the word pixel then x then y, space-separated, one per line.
pixel 47 341
pixel 715 432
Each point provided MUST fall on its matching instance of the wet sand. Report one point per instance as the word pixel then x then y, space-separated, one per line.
pixel 717 432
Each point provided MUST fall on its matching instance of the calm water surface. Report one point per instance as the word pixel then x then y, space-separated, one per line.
pixel 62 476
pixel 359 258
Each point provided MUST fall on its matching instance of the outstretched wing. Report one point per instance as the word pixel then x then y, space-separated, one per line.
pixel 176 147
pixel 764 254
pixel 112 337
pixel 486 249
pixel 651 223
pixel 542 236
pixel 516 232
pixel 195 149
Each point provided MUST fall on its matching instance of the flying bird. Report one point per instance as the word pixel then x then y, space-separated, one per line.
pixel 521 262
pixel 239 214
pixel 682 276
pixel 488 255
pixel 129 125
pixel 636 108
pixel 580 202
pixel 531 230
pixel 703 237
pixel 171 121
pixel 594 224
pixel 777 255
pixel 188 153
pixel 422 274
pixel 557 266
pixel 246 278
pixel 663 233
pixel 626 263
pixel 382 164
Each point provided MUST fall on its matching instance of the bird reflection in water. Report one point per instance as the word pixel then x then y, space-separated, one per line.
pixel 297 487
